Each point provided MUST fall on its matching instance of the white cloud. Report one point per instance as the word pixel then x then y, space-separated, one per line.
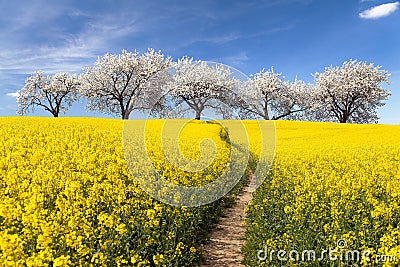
pixel 76 51
pixel 380 11
pixel 230 37
pixel 15 94
pixel 6 109
pixel 233 60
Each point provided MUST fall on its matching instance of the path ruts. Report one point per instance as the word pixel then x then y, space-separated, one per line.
pixel 226 241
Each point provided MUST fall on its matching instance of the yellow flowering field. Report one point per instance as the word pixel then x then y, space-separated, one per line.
pixel 67 197
pixel 332 186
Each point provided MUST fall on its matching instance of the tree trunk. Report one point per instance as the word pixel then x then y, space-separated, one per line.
pixel 343 118
pixel 52 111
pixel 125 115
pixel 198 114
pixel 265 109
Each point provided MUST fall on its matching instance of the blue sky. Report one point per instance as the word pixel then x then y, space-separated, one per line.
pixel 297 37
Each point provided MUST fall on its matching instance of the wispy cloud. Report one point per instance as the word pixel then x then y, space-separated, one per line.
pixel 380 11
pixel 222 39
pixel 32 14
pixel 74 51
pixel 48 59
pixel 15 94
pixel 9 109
pixel 233 60
pixel 232 37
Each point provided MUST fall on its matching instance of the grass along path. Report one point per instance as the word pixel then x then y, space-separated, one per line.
pixel 226 241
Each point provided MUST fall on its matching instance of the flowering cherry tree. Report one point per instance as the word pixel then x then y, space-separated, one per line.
pixel 54 93
pixel 200 85
pixel 268 96
pixel 121 83
pixel 350 93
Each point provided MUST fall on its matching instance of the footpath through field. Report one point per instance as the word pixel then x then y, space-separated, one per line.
pixel 226 241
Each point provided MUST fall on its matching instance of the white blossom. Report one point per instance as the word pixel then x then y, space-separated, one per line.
pixel 201 85
pixel 268 96
pixel 350 93
pixel 54 93
pixel 121 83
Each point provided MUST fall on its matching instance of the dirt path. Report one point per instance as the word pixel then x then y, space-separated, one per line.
pixel 228 236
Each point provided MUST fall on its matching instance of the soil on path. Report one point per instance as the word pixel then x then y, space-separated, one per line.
pixel 226 241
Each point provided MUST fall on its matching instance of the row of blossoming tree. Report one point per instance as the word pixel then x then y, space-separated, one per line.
pixel 122 83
